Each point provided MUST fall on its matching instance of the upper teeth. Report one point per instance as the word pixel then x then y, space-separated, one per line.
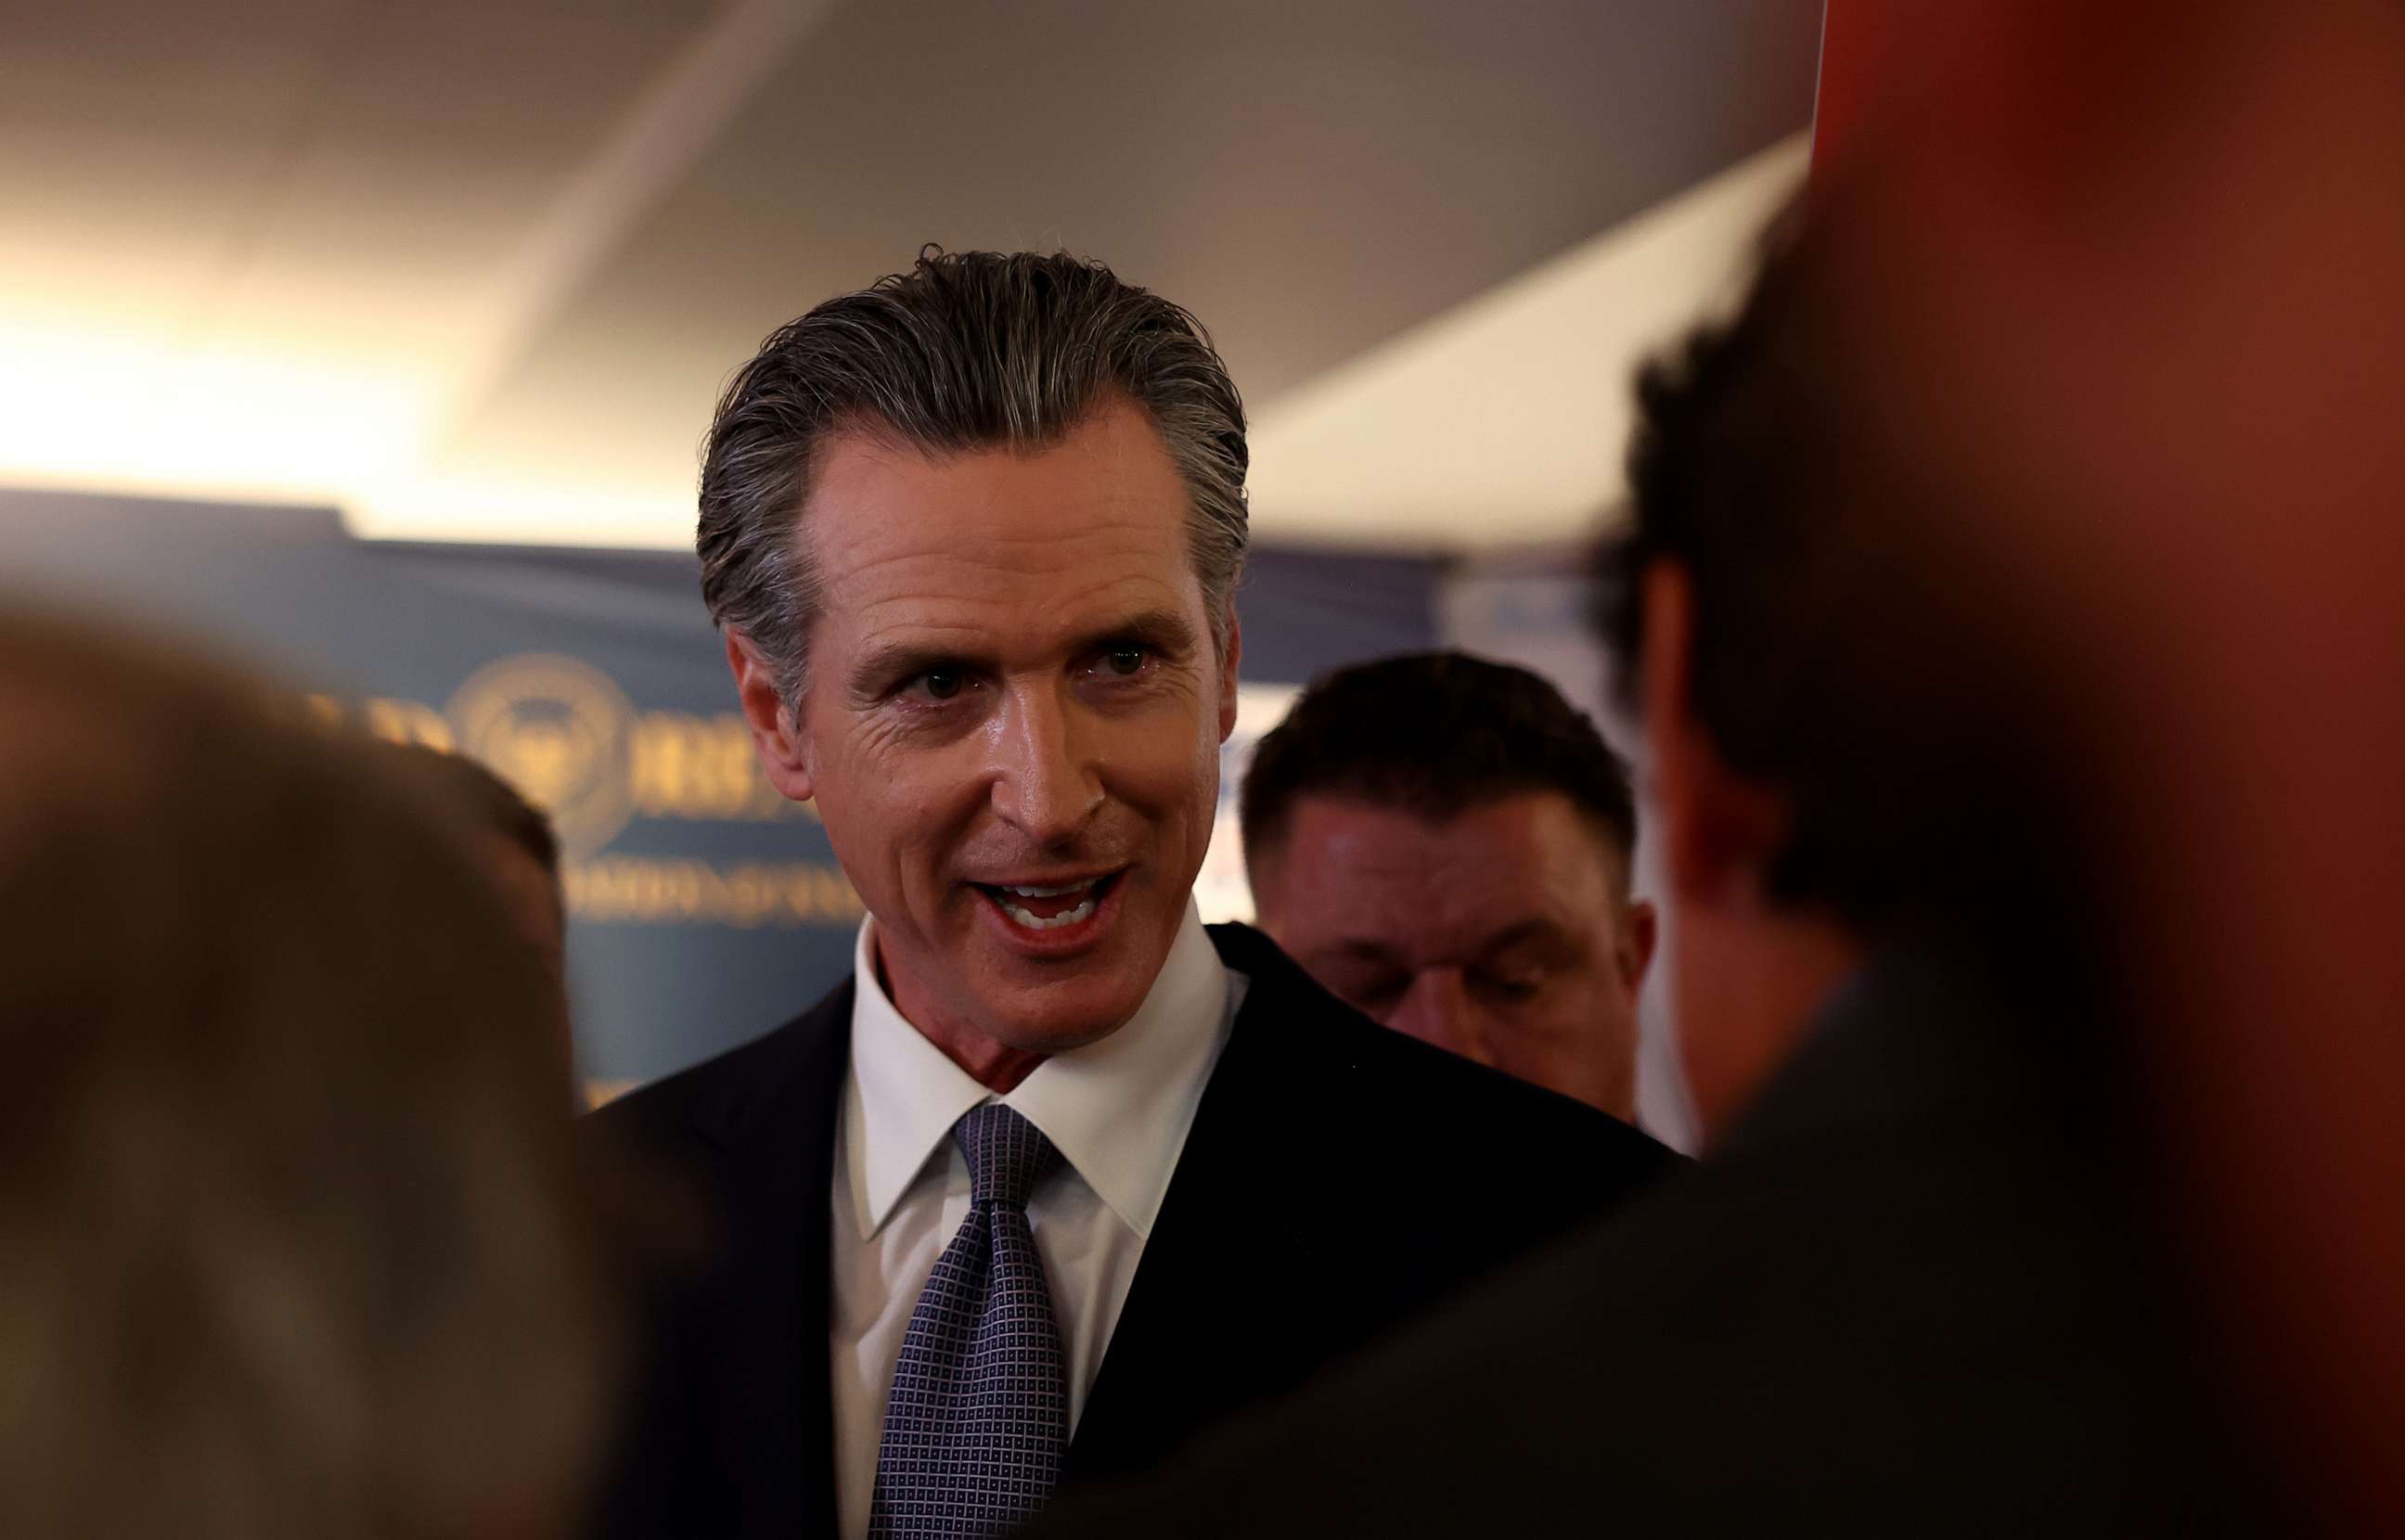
pixel 1052 892
pixel 1039 923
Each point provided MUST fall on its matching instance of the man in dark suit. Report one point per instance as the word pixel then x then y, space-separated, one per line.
pixel 1057 1177
pixel 1928 1278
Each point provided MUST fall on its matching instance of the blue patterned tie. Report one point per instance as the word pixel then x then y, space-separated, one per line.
pixel 979 1413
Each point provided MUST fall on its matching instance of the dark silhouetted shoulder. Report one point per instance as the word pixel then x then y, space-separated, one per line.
pixel 718 1098
pixel 1370 1074
pixel 1914 1292
pixel 1481 1166
pixel 728 1429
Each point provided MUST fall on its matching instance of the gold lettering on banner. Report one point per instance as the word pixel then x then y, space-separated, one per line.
pixel 638 890
pixel 680 765
pixel 688 766
pixel 562 732
pixel 558 729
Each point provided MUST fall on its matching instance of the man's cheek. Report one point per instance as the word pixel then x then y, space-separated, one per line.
pixel 1151 789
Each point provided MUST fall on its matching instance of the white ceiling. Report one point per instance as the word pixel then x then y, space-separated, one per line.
pixel 476 270
pixel 1508 412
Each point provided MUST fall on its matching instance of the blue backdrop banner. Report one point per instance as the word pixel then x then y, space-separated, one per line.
pixel 704 908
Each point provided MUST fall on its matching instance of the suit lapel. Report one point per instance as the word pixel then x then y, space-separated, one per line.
pixel 1248 1279
pixel 1241 1288
pixel 776 1136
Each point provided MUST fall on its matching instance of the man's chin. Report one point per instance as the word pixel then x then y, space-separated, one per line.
pixel 1045 1043
pixel 1072 1025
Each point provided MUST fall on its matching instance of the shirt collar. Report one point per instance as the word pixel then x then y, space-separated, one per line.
pixel 1116 1110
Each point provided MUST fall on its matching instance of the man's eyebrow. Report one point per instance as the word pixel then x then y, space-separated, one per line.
pixel 1535 928
pixel 1165 629
pixel 890 662
pixel 1360 948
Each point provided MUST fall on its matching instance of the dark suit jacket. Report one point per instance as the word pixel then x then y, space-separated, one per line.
pixel 1338 1177
pixel 1925 1288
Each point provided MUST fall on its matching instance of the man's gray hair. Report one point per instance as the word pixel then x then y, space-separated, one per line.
pixel 967 350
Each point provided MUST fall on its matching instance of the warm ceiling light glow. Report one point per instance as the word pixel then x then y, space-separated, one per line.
pixel 85 405
pixel 1499 422
pixel 516 512
pixel 1504 420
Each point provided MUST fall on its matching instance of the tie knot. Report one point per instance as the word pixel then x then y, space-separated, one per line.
pixel 1006 1155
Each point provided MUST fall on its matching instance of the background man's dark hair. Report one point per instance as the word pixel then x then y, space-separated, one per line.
pixel 1434 734
pixel 967 350
pixel 484 800
pixel 1836 654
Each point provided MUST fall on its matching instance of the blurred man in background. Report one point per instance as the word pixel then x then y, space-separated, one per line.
pixel 1448 844
pixel 514 842
pixel 294 1236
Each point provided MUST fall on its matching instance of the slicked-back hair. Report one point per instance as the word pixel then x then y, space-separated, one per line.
pixel 967 350
pixel 1433 735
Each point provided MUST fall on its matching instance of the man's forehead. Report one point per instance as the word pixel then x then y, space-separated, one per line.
pixel 1420 936
pixel 1113 457
pixel 884 517
pixel 991 549
pixel 1458 875
pixel 1066 551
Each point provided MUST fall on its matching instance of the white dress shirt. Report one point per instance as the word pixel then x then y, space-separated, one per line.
pixel 1118 1111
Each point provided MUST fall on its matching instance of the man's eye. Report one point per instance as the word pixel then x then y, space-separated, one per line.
pixel 1125 660
pixel 941 683
pixel 1513 987
pixel 1375 994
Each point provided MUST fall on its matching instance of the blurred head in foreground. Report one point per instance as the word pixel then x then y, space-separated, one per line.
pixel 292 1241
pixel 1445 843
pixel 1850 747
pixel 2127 276
pixel 2103 319
pixel 513 841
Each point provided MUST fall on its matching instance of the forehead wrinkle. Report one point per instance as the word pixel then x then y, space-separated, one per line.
pixel 1135 524
pixel 969 572
pixel 979 619
pixel 1064 591
pixel 1031 553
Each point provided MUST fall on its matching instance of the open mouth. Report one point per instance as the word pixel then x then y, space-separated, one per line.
pixel 1049 907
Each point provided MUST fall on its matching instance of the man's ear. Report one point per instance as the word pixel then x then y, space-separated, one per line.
pixel 776 735
pixel 1641 928
pixel 1718 829
pixel 1228 674
pixel 1261 881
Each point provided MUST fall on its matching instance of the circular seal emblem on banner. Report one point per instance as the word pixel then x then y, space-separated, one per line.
pixel 559 730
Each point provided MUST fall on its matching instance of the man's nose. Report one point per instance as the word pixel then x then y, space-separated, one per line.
pixel 1047 783
pixel 1438 1009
